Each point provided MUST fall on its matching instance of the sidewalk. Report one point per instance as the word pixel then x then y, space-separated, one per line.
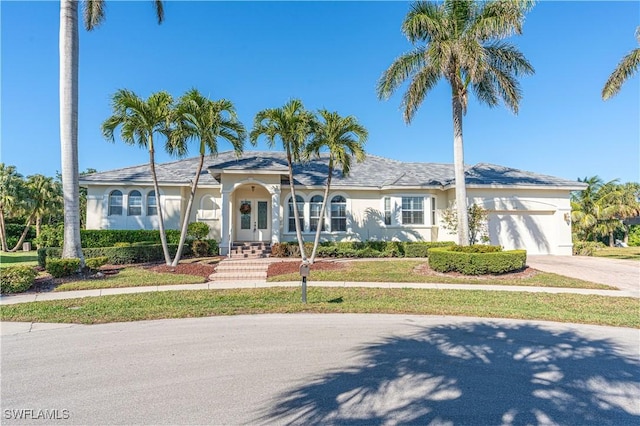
pixel 38 297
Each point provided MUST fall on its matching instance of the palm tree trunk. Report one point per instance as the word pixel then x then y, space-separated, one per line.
pixel 458 165
pixel 156 188
pixel 24 233
pixel 38 225
pixel 3 233
pixel 611 239
pixel 316 241
pixel 295 208
pixel 69 63
pixel 185 220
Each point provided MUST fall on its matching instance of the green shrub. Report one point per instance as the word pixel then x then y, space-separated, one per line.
pixel 16 279
pixel 94 238
pixel 118 255
pixel 50 236
pixel 394 249
pixel 586 248
pixel 368 252
pixel 200 248
pixel 634 236
pixel 14 230
pixel 94 263
pixel 122 244
pixel 499 262
pixel 197 230
pixel 62 267
pixel 476 248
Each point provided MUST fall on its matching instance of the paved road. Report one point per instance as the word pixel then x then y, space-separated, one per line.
pixel 322 369
pixel 624 274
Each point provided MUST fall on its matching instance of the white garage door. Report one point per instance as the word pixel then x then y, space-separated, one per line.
pixel 531 231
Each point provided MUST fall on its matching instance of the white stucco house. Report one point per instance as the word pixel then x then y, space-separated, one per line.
pixel 381 199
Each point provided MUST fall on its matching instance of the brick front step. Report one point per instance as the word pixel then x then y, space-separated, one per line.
pixel 234 276
pixel 241 270
pixel 250 250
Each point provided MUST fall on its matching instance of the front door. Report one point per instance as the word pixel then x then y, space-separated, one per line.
pixel 253 222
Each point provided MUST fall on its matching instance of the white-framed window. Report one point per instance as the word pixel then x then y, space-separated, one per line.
pixel 134 203
pixel 315 208
pixel 292 219
pixel 387 210
pixel 152 204
pixel 413 210
pixel 338 214
pixel 115 203
pixel 433 211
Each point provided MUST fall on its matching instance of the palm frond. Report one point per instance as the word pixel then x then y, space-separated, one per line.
pixel 94 12
pixel 402 69
pixel 627 67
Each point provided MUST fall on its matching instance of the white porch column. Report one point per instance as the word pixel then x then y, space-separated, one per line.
pixel 226 221
pixel 275 214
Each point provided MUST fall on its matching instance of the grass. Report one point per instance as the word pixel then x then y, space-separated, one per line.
pixel 575 308
pixel 26 258
pixel 402 271
pixel 632 253
pixel 131 277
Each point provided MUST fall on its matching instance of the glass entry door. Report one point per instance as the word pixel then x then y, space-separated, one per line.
pixel 253 221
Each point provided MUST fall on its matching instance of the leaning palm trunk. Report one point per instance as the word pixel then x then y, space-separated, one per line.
pixel 163 237
pixel 69 42
pixel 23 236
pixel 295 208
pixel 316 241
pixel 458 165
pixel 185 220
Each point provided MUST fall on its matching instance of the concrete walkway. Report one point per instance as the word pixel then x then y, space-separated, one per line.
pixel 38 297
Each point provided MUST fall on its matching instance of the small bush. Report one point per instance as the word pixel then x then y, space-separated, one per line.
pixel 50 236
pixel 200 248
pixel 62 267
pixel 634 236
pixel 368 252
pixel 279 250
pixel 94 263
pixel 16 279
pixel 499 262
pixel 586 248
pixel 197 230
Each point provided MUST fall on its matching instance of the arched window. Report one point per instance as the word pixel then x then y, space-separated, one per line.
pixel 338 214
pixel 292 219
pixel 315 207
pixel 152 204
pixel 115 203
pixel 135 203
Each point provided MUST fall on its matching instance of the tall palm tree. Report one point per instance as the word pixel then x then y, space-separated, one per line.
pixel 140 120
pixel 344 139
pixel 204 120
pixel 11 184
pixel 292 125
pixel 585 210
pixel 627 67
pixel 94 12
pixel 460 41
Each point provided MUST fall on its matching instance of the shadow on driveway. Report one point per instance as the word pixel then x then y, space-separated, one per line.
pixel 473 373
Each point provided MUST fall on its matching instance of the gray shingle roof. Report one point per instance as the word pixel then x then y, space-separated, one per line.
pixel 374 172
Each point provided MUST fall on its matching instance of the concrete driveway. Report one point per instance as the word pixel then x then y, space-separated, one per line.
pixel 320 369
pixel 624 274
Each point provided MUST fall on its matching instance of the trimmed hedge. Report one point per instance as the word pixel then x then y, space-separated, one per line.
pixel 498 262
pixel 359 249
pixel 117 255
pixel 95 238
pixel 62 267
pixel 94 263
pixel 16 279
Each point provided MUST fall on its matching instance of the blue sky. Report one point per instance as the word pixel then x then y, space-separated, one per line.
pixel 330 55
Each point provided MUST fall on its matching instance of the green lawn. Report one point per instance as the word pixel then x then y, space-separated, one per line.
pixel 27 258
pixel 614 311
pixel 402 271
pixel 632 253
pixel 131 277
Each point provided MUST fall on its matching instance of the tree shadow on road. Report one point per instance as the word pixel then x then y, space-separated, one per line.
pixel 473 373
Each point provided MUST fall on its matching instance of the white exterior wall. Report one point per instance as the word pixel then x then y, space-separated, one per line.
pixel 98 208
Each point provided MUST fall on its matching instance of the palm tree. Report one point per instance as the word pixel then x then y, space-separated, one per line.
pixel 140 120
pixel 11 185
pixel 204 120
pixel 39 196
pixel 627 67
pixel 69 65
pixel 344 138
pixel 585 210
pixel 460 41
pixel 292 125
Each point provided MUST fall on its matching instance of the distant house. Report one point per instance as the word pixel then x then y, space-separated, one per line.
pixel 381 199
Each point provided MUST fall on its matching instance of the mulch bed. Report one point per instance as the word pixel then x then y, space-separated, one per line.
pixel 290 267
pixel 197 269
